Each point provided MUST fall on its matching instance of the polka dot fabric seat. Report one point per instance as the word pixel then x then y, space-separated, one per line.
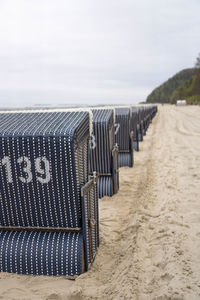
pixel 41 253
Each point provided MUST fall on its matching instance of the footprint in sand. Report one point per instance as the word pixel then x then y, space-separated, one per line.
pixel 167 277
pixel 21 294
pixel 54 296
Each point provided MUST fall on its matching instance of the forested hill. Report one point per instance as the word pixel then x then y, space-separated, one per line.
pixel 164 93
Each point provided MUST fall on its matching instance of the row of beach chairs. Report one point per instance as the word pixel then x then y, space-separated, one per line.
pixel 54 167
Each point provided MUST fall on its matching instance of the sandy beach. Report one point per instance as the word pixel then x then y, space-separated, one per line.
pixel 149 231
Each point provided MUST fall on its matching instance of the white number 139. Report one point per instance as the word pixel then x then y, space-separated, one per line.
pixel 26 164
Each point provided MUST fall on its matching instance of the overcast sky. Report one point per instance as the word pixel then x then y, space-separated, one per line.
pixel 93 51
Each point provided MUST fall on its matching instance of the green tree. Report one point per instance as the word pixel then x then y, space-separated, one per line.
pixel 183 85
pixel 197 65
pixel 163 93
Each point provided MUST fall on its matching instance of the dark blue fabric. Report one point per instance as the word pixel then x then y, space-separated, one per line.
pixel 54 136
pixel 41 253
pixel 101 158
pixel 58 141
pixel 124 159
pixel 122 136
pixel 134 123
pixel 141 118
pixel 103 130
pixel 105 184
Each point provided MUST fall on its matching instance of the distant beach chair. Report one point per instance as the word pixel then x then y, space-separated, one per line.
pixel 124 136
pixel 104 152
pixel 141 129
pixel 135 127
pixel 142 116
pixel 49 222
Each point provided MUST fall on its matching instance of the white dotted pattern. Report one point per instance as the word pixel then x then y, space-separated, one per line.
pixel 34 253
pixel 52 136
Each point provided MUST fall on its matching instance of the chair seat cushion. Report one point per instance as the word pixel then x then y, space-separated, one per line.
pixel 125 160
pixel 41 253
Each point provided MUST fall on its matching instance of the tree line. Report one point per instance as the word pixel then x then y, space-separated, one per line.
pixel 183 85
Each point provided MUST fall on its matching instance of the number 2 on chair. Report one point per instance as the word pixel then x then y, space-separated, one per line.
pixel 117 126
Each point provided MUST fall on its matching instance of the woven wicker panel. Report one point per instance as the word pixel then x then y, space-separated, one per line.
pixel 39 184
pixel 123 129
pixel 134 123
pixel 103 130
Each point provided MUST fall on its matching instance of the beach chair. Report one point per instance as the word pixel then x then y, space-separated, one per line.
pixel 104 152
pixel 154 111
pixel 146 118
pixel 148 115
pixel 124 136
pixel 135 127
pixel 141 128
pixel 49 222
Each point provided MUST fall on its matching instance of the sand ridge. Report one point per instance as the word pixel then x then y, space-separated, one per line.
pixel 149 231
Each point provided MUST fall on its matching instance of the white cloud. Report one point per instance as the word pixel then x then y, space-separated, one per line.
pixel 93 51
